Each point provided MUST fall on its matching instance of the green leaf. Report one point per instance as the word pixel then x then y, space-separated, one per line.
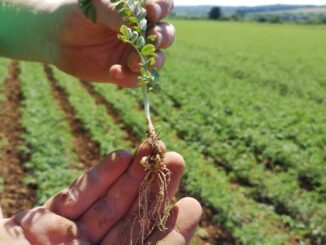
pixel 123 38
pixel 125 12
pixel 143 24
pixel 120 6
pixel 125 31
pixel 136 28
pixel 132 20
pixel 85 6
pixel 91 14
pixel 115 1
pixel 133 7
pixel 140 43
pixel 151 38
pixel 155 55
pixel 155 88
pixel 141 15
pixel 134 37
pixel 81 2
pixel 148 49
pixel 151 61
pixel 88 9
pixel 155 75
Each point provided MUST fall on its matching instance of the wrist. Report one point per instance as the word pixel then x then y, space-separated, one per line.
pixel 28 30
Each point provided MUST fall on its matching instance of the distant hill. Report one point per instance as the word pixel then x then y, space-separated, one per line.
pixel 191 10
pixel 203 10
pixel 311 10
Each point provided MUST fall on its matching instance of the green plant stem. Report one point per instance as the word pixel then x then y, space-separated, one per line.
pixel 150 126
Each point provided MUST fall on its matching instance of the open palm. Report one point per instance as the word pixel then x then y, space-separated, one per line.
pixel 100 206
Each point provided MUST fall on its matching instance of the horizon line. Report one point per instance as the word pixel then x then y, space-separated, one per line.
pixel 194 5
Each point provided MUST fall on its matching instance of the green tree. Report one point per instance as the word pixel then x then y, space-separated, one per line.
pixel 215 13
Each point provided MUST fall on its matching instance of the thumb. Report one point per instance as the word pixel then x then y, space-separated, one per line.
pixel 107 15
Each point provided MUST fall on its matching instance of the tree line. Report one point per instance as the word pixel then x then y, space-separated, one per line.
pixel 216 13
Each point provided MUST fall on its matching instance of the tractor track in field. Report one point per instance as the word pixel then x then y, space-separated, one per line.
pixel 87 150
pixel 209 233
pixel 15 195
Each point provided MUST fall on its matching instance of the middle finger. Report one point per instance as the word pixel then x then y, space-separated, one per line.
pixel 158 9
pixel 128 227
pixel 165 34
pixel 107 210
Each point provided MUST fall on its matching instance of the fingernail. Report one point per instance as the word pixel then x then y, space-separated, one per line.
pixel 171 30
pixel 116 72
pixel 159 39
pixel 158 11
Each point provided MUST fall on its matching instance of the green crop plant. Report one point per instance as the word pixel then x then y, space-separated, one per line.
pixel 152 214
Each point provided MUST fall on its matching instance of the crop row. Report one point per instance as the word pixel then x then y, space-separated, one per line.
pixel 47 135
pixel 94 118
pixel 284 131
pixel 275 188
pixel 250 222
pixel 4 63
pixel 290 65
pixel 203 67
pixel 264 129
pixel 291 136
pixel 250 209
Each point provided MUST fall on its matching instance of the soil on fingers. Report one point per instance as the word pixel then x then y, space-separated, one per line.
pixel 212 233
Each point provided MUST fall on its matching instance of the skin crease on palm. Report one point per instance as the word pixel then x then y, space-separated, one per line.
pixel 99 206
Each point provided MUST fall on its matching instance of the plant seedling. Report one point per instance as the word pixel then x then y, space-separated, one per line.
pixel 153 197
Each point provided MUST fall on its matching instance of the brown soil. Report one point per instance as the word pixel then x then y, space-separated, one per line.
pixel 209 233
pixel 87 150
pixel 15 196
pixel 215 235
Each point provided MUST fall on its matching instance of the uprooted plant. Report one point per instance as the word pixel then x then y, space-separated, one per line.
pixel 153 197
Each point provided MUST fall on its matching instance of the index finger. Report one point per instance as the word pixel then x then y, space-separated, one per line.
pixel 83 192
pixel 158 9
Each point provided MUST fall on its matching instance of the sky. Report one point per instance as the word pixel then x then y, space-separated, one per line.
pixel 246 2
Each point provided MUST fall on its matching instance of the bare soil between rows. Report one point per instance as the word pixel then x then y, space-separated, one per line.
pixel 87 150
pixel 100 100
pixel 15 196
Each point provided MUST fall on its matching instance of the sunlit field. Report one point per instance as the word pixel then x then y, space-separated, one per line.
pixel 244 103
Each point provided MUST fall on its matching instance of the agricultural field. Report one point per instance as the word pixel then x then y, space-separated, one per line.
pixel 245 104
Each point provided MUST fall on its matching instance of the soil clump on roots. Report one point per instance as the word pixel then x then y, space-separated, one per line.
pixel 153 207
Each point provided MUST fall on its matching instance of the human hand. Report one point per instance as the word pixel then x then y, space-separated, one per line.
pixel 93 51
pixel 99 207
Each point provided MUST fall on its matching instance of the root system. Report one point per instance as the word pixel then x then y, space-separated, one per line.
pixel 153 207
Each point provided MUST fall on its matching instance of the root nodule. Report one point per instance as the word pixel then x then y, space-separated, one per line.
pixel 154 208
